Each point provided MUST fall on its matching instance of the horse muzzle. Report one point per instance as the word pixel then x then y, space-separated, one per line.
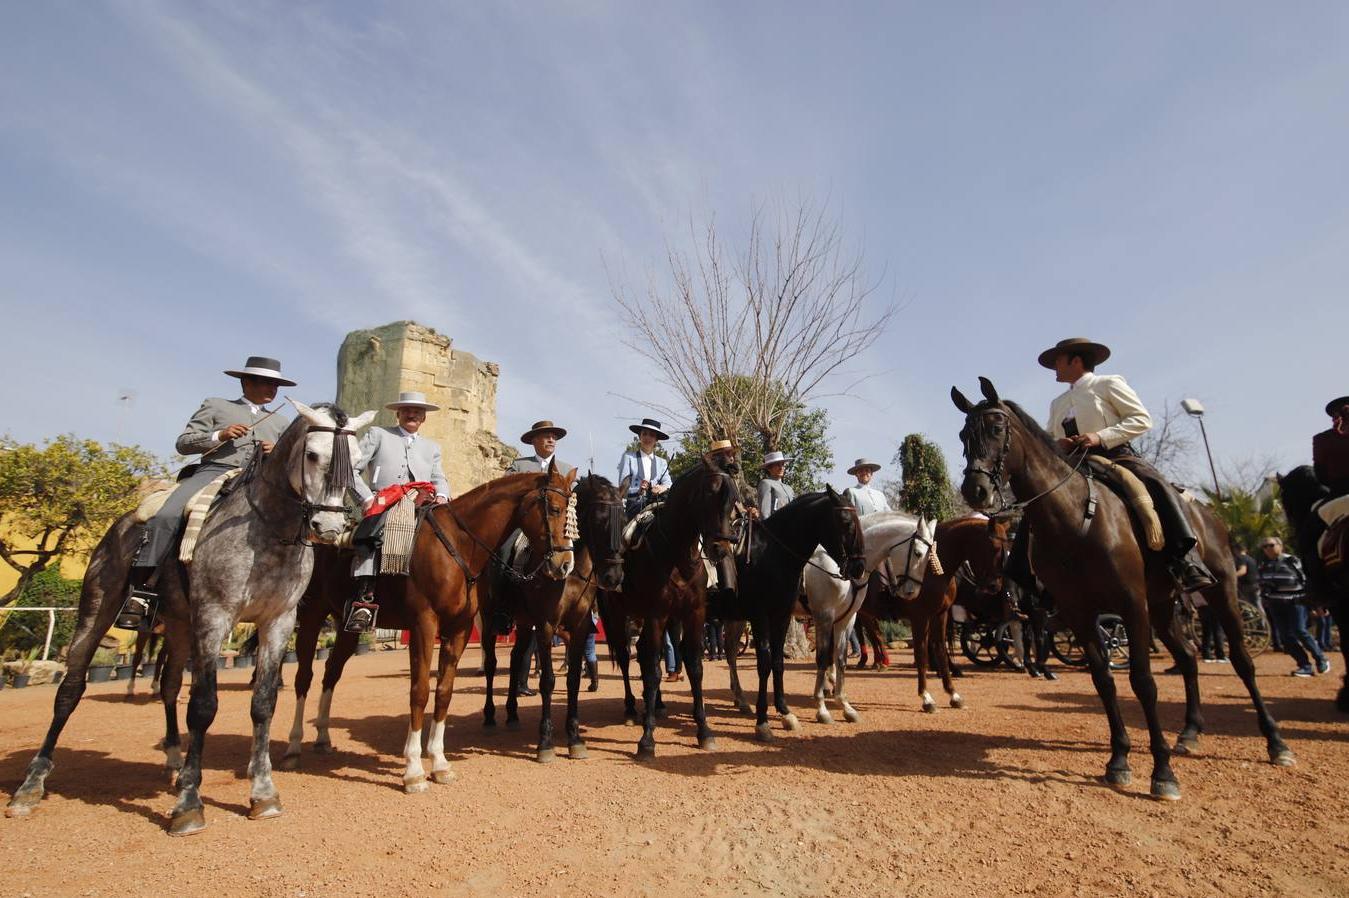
pixel 978 490
pixel 559 565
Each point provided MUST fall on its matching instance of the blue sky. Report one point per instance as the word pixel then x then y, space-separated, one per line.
pixel 187 184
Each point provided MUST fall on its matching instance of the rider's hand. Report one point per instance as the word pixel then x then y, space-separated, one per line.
pixel 266 447
pixel 441 500
pixel 233 432
pixel 1090 440
pixel 1067 444
pixel 646 485
pixel 658 489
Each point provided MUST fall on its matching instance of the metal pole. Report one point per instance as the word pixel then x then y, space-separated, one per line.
pixel 51 626
pixel 1217 490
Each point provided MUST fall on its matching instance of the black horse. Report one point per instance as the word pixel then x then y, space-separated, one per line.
pixel 769 582
pixel 1300 490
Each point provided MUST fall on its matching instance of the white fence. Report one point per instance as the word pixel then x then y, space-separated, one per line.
pixel 51 621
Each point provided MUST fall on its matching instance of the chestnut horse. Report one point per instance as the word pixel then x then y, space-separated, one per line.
pixel 1094 563
pixel 549 606
pixel 664 580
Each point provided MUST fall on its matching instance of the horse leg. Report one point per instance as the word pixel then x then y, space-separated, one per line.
pixel 263 799
pixel 937 649
pixel 841 669
pixel 1164 784
pixel 576 646
pixel 520 661
pixel 1182 650
pixel 342 651
pixel 778 646
pixel 173 658
pixel 1117 771
pixel 763 656
pixel 188 814
pixel 1224 603
pixel 310 618
pixel 451 651
pixel 648 658
pixel 488 639
pixel 732 630
pixel 547 680
pixel 692 648
pixel 421 642
pixel 824 658
pixel 921 624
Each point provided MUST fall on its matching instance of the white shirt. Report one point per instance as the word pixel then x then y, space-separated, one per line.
pixel 867 499
pixel 647 464
pixel 408 438
pixel 1100 404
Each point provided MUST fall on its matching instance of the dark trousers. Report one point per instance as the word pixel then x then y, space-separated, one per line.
pixel 1290 619
pixel 161 531
pixel 1212 643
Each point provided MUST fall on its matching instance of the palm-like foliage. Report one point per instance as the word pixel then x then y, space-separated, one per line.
pixel 1249 516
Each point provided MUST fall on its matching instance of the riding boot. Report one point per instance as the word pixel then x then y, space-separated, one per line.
pixel 361 611
pixel 1183 561
pixel 141 601
pixel 1189 572
pixel 593 672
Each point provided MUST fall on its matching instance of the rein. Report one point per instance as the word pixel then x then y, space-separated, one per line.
pixel 791 553
pixel 493 554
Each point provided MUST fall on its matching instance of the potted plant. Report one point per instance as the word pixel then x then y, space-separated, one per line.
pixel 291 657
pixel 326 641
pixel 100 668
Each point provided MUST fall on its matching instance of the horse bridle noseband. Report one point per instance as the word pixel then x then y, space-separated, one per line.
pixel 914 541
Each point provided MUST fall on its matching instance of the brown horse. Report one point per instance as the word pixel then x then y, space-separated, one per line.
pixel 664 580
pixel 548 607
pixel 1088 552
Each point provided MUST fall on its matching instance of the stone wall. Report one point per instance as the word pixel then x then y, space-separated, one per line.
pixel 375 365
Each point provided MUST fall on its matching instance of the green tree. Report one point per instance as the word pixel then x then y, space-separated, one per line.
pixel 61 498
pixel 1250 516
pixel 22 631
pixel 802 438
pixel 926 487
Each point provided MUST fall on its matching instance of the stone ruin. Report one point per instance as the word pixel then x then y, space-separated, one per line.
pixel 375 365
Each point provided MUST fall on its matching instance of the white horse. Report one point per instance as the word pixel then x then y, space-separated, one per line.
pixel 901 539
pixel 909 545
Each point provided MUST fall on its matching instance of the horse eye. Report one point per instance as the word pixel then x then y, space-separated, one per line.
pixel 312 456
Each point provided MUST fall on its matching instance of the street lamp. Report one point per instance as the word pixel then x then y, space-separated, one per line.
pixel 1195 409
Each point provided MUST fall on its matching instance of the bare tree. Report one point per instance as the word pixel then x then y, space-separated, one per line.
pixel 752 336
pixel 1170 444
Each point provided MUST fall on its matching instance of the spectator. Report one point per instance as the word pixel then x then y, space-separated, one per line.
pixel 1283 588
pixel 1324 628
pixel 1211 642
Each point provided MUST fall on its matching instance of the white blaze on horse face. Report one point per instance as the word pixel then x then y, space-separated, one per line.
pixel 309 476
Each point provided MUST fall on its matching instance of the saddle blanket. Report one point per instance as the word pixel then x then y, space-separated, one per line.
pixel 197 508
pixel 1331 510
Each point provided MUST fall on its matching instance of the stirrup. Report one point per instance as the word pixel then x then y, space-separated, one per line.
pixel 139 605
pixel 361 617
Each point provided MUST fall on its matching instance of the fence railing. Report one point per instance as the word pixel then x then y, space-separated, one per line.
pixel 51 621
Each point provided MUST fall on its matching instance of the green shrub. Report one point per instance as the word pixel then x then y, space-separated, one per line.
pixel 22 631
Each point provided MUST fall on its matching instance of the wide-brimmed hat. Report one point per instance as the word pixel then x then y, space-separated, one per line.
pixel 1094 353
pixel 718 445
pixel 863 464
pixel 1335 405
pixel 542 427
pixel 412 399
pixel 650 424
pixel 263 367
pixel 773 458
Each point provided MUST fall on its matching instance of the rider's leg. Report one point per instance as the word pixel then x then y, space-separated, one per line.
pixel 362 609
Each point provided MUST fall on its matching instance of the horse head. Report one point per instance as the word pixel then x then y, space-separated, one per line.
pixel 319 466
pixel 844 541
pixel 545 521
pixel 719 513
pixel 600 507
pixel 991 452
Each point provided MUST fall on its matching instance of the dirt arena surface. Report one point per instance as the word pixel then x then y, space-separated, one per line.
pixel 1001 798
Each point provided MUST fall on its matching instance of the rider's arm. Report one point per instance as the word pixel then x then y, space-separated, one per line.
pixel 1134 420
pixel 200 433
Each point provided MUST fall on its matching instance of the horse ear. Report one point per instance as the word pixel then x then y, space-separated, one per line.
pixel 961 402
pixel 361 420
pixel 313 417
pixel 571 477
pixel 833 494
pixel 986 387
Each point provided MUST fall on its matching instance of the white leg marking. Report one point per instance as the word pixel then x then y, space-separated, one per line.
pixel 928 704
pixel 297 727
pixel 325 711
pixel 414 773
pixel 435 747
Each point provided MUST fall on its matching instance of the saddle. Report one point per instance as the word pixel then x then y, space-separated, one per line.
pixel 1127 485
pixel 194 513
pixel 1333 546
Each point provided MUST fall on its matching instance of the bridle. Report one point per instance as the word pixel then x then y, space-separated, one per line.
pixel 849 557
pixel 334 480
pixel 916 543
pixel 996 476
pixel 492 553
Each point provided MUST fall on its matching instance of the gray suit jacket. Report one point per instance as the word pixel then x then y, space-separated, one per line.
pixel 773 494
pixel 217 414
pixel 386 459
pixel 530 464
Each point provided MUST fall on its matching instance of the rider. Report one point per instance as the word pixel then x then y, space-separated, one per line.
pixel 864 497
pixel 226 433
pixel 1330 449
pixel 1101 414
pixel 773 493
pixel 391 456
pixel 649 472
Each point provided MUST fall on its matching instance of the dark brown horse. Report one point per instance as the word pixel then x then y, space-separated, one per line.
pixel 549 606
pixel 664 581
pixel 1087 550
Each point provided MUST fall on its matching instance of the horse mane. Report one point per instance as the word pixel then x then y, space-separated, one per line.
pixel 1029 422
pixel 1299 490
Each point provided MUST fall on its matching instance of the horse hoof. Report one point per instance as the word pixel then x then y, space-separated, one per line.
pixel 1186 747
pixel 630 720
pixel 708 743
pixel 956 700
pixel 290 762
pixel 545 756
pixel 415 784
pixel 443 777
pixel 823 716
pixel 1119 778
pixel 262 808
pixel 1166 790
pixel 323 748
pixel 1282 758
pixel 851 715
pixel 185 823
pixel 646 752
pixel 764 733
pixel 1050 675
pixel 22 804
pixel 930 707
pixel 790 723
pixel 578 752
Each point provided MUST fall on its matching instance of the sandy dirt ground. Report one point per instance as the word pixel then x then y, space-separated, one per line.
pixel 1001 798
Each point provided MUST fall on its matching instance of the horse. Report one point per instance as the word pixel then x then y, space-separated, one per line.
pixel 1299 490
pixel 1088 551
pixel 665 581
pixel 903 541
pixel 295 477
pixel 769 583
pixel 550 606
pixel 454 545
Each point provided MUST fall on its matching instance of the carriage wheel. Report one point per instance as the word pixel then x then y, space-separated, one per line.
pixel 1063 645
pixel 1254 627
pixel 979 642
pixel 1115 637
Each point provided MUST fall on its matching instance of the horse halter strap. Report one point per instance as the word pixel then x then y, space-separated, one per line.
pixel 913 540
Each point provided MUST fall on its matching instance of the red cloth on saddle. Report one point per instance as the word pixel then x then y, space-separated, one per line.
pixel 388 497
